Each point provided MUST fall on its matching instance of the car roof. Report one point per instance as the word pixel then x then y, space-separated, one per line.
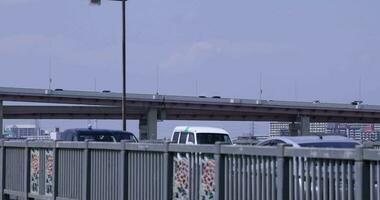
pixel 95 131
pixel 69 133
pixel 297 140
pixel 200 129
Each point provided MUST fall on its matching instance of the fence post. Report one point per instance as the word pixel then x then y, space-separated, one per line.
pixel 26 170
pixel 219 169
pixel 86 173
pixel 282 174
pixel 168 173
pixel 2 171
pixel 55 171
pixel 362 176
pixel 123 173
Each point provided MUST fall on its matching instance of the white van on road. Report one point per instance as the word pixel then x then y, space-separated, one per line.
pixel 200 135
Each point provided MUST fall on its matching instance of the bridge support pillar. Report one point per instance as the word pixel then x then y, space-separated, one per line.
pixel 304 125
pixel 1 118
pixel 301 127
pixel 148 125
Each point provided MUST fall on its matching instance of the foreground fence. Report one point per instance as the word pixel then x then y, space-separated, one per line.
pixel 113 171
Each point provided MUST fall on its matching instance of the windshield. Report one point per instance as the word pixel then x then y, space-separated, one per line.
pixel 330 144
pixel 211 138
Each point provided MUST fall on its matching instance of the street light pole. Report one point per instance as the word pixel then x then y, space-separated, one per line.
pixel 124 70
pixel 124 97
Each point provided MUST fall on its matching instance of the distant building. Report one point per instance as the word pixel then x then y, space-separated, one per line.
pixel 282 128
pixel 279 128
pixel 357 131
pixel 19 131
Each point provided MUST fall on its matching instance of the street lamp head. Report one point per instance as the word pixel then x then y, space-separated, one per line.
pixel 96 2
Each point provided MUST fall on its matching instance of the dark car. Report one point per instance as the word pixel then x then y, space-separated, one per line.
pixel 98 135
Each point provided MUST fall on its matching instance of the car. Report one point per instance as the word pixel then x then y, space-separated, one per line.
pixel 311 141
pixel 200 135
pixel 98 135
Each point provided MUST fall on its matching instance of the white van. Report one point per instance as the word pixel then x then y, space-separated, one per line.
pixel 200 135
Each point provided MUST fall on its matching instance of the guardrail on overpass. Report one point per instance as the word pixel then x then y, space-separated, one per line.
pixel 88 170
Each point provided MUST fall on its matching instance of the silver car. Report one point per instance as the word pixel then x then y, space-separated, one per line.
pixel 311 141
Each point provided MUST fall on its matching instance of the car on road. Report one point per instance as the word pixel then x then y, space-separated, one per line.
pixel 311 141
pixel 97 135
pixel 200 135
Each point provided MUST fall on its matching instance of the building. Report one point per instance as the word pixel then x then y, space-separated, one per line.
pixel 19 131
pixel 282 128
pixel 356 131
pixel 279 128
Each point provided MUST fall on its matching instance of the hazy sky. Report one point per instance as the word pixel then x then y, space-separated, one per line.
pixel 304 50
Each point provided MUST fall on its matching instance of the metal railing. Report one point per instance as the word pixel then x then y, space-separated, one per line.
pixel 91 170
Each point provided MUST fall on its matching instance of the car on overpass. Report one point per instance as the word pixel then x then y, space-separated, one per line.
pixel 200 135
pixel 311 141
pixel 97 135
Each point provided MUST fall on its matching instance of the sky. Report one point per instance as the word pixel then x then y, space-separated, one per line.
pixel 324 50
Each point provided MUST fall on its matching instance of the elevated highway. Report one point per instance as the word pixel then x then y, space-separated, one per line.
pixel 148 108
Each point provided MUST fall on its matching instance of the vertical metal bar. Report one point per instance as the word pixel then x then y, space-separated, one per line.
pixel 259 166
pixel 231 169
pixel 282 172
pixel 238 171
pixel 1 116
pixel 361 176
pixel 290 173
pixel 2 168
pixel 123 174
pixel 331 180
pixel 244 176
pixel 86 173
pixel 55 171
pixel 266 173
pixel 302 190
pixel 262 177
pixel 168 172
pixel 219 169
pixel 319 180
pixel 312 179
pixel 336 182
pixel 273 177
pixel 254 178
pixel 344 176
pixel 324 176
pixel 308 187
pixel 350 181
pixel 249 177
pixel 296 178
pixel 377 179
pixel 26 170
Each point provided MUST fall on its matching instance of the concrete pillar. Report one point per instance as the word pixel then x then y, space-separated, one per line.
pixel 293 129
pixel 148 125
pixel 304 125
pixel 1 118
pixel 301 127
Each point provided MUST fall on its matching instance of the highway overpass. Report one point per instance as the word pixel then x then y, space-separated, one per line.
pixel 148 108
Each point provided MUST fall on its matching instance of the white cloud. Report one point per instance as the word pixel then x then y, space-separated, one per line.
pixel 198 51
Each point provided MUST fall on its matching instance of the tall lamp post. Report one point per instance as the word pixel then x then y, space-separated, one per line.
pixel 124 57
pixel 124 106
